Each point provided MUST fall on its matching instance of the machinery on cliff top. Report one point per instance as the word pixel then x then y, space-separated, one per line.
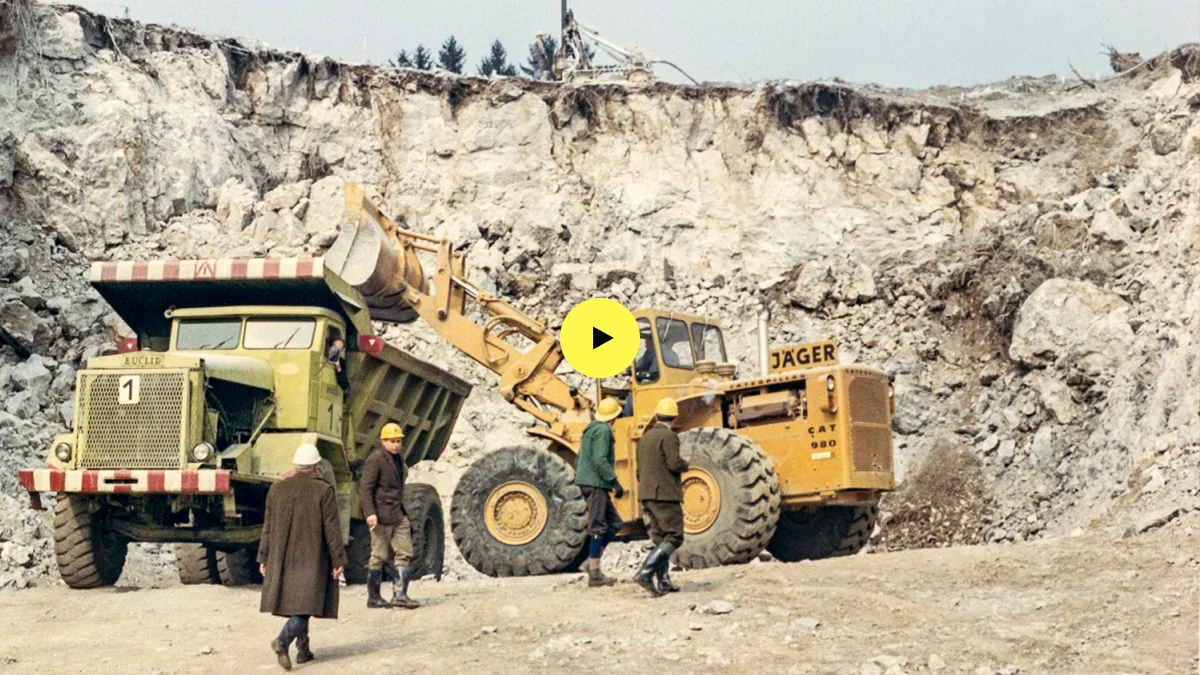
pixel 573 60
pixel 793 460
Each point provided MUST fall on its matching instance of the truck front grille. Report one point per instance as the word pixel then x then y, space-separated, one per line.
pixel 144 435
pixel 870 428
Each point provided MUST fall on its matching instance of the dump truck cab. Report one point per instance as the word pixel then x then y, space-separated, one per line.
pixel 179 435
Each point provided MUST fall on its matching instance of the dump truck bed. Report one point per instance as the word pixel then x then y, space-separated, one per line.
pixel 397 387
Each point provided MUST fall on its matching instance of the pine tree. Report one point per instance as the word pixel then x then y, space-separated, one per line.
pixel 497 62
pixel 452 56
pixel 401 61
pixel 421 59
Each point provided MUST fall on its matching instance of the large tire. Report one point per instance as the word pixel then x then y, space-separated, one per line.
pixel 547 549
pixel 822 532
pixel 748 493
pixel 89 555
pixel 424 509
pixel 196 564
pixel 358 552
pixel 238 567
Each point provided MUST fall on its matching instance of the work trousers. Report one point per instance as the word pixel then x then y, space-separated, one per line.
pixel 664 521
pixel 396 537
pixel 296 629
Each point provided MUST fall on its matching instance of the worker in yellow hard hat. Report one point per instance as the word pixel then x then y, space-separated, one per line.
pixel 381 492
pixel 596 477
pixel 660 489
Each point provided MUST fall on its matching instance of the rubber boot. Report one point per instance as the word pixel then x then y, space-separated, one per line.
pixel 664 568
pixel 645 575
pixel 400 594
pixel 303 653
pixel 595 576
pixel 374 599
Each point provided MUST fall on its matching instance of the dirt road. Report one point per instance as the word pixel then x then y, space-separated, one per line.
pixel 1076 605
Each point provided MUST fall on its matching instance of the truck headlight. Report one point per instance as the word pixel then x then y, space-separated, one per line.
pixel 202 452
pixel 63 452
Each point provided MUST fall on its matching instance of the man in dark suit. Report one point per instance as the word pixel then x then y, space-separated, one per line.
pixel 381 492
pixel 660 489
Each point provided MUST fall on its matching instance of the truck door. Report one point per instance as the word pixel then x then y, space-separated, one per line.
pixel 330 382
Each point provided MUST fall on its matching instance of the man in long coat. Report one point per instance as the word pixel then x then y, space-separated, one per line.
pixel 300 554
pixel 660 489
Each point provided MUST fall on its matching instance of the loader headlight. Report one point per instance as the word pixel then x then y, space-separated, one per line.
pixel 829 384
pixel 202 452
pixel 63 452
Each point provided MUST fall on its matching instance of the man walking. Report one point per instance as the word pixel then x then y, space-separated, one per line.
pixel 595 477
pixel 300 554
pixel 659 468
pixel 381 492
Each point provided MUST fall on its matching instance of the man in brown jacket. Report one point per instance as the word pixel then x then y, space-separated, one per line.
pixel 300 554
pixel 659 468
pixel 381 492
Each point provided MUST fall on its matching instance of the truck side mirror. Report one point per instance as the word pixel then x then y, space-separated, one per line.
pixel 370 344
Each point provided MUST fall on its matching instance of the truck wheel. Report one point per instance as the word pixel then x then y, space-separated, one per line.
pixel 238 567
pixel 823 532
pixel 89 556
pixel 424 509
pixel 730 499
pixel 517 512
pixel 196 564
pixel 358 552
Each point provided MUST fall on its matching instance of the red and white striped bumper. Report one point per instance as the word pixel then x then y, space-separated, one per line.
pixel 186 482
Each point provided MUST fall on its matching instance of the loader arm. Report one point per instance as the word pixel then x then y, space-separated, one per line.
pixel 380 258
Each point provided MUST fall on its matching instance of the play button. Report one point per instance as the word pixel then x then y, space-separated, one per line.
pixel 599 337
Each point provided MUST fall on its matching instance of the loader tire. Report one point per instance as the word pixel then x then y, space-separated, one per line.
pixel 424 509
pixel 196 564
pixel 730 501
pixel 358 552
pixel 238 567
pixel 822 532
pixel 89 555
pixel 517 512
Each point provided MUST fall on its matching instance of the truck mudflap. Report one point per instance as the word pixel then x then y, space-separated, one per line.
pixel 135 481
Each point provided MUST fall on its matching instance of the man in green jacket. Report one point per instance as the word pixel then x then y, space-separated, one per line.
pixel 595 476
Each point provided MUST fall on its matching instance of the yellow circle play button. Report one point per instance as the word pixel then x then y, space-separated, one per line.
pixel 599 337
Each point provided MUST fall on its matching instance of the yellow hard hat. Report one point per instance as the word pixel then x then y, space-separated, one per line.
pixel 391 431
pixel 608 409
pixel 667 407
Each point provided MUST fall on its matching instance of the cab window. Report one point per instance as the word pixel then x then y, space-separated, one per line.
pixel 675 342
pixel 280 333
pixel 208 334
pixel 645 365
pixel 708 343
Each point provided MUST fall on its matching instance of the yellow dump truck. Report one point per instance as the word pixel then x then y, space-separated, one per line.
pixel 793 459
pixel 178 437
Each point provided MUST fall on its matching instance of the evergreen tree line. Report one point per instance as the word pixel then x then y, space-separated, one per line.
pixel 452 57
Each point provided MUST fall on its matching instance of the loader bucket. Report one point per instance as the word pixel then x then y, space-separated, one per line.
pixel 366 257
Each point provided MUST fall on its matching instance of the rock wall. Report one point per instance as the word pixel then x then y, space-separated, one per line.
pixel 1022 257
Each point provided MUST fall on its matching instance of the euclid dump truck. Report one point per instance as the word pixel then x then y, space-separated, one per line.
pixel 794 459
pixel 179 435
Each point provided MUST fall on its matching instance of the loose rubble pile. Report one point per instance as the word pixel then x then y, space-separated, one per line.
pixel 1020 256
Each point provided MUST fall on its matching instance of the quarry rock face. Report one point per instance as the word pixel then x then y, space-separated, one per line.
pixel 1021 257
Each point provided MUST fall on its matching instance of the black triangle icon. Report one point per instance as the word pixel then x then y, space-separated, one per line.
pixel 599 337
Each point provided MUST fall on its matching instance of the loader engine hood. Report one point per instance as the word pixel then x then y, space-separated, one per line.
pixel 245 370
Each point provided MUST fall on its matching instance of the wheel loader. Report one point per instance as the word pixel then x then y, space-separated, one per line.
pixel 792 460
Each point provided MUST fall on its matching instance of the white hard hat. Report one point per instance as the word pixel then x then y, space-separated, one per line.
pixel 306 455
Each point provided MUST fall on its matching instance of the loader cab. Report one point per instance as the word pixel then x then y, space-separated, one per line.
pixel 675 350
